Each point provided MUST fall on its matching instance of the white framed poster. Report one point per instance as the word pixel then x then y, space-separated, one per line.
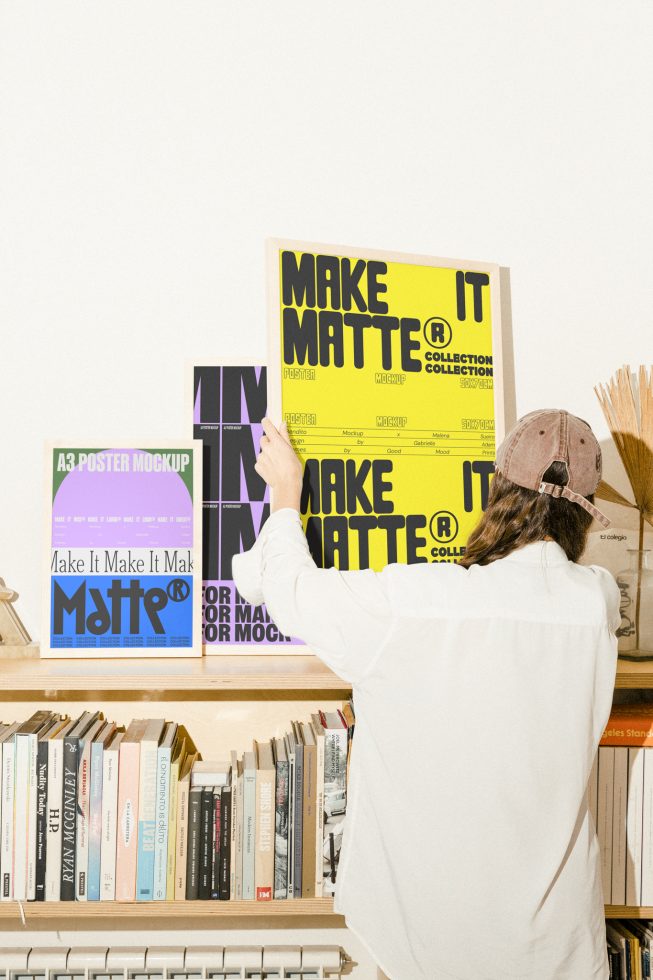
pixel 387 369
pixel 122 569
pixel 228 402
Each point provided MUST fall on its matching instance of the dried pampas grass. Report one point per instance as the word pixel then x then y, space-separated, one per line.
pixel 627 403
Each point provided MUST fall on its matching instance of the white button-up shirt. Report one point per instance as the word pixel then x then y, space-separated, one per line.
pixel 469 852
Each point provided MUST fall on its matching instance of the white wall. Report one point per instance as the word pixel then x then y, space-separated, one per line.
pixel 148 148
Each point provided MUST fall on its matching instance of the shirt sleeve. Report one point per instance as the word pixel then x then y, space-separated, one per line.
pixel 611 594
pixel 344 617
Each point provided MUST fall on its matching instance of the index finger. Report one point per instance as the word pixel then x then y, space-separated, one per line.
pixel 270 429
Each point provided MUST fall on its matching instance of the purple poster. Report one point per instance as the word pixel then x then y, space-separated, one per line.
pixel 228 405
pixel 122 537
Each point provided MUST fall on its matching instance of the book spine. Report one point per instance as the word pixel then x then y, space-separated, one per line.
pixel 224 881
pixel 634 826
pixel 605 801
pixel 83 810
pixel 217 844
pixel 181 850
pixel 335 784
pixel 69 818
pixel 162 824
pixel 21 806
pixel 264 861
pixel 240 835
pixel 172 832
pixel 8 800
pixel 319 815
pixel 647 829
pixel 291 825
pixel 593 788
pixel 299 815
pixel 620 793
pixel 281 831
pixel 233 847
pixel 55 797
pixel 193 845
pixel 95 822
pixel 249 831
pixel 309 821
pixel 146 822
pixel 41 818
pixel 127 827
pixel 206 843
pixel 30 883
pixel 109 843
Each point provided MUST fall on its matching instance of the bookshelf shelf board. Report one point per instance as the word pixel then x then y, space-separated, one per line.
pixel 225 676
pixel 281 908
pixel 632 674
pixel 629 912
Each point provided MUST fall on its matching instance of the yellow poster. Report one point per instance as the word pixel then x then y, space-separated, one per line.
pixel 387 370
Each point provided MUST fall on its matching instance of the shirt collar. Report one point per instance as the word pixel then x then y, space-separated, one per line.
pixel 539 552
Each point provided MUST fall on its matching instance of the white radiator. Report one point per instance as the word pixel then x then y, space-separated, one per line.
pixel 172 963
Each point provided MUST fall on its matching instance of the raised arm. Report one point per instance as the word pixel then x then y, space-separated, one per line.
pixel 343 617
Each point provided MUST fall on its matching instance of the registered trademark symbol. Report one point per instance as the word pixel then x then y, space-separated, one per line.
pixel 178 589
pixel 437 332
pixel 443 526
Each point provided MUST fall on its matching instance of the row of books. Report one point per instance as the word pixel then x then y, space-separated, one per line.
pixel 630 949
pixel 90 811
pixel 620 794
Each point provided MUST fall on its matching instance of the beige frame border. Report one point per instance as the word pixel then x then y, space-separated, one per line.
pixel 120 653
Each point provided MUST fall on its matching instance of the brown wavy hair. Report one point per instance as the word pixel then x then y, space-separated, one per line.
pixel 515 516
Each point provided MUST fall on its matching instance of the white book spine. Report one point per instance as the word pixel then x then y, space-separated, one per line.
pixel 604 812
pixel 593 788
pixel 146 820
pixel 55 797
pixel 634 825
pixel 319 837
pixel 249 831
pixel 162 822
pixel 240 786
pixel 83 798
pixel 109 824
pixel 21 816
pixel 647 830
pixel 8 799
pixel 619 825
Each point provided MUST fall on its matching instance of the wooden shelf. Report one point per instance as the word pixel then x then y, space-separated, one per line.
pixel 632 674
pixel 281 908
pixel 226 676
pixel 629 912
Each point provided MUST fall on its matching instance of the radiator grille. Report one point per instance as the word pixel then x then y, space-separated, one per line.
pixel 172 963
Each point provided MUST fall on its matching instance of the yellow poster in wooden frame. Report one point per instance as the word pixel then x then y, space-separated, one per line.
pixel 387 368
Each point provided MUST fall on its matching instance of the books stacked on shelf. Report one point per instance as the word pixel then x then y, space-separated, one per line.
pixel 620 796
pixel 90 811
pixel 630 948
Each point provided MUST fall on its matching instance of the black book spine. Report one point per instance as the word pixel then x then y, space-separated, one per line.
pixel 69 817
pixel 193 847
pixel 225 843
pixel 206 843
pixel 41 817
pixel 217 844
pixel 299 819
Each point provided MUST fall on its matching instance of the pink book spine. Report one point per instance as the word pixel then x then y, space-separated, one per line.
pixel 127 828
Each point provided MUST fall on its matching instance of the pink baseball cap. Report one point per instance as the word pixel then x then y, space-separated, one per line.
pixel 548 436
